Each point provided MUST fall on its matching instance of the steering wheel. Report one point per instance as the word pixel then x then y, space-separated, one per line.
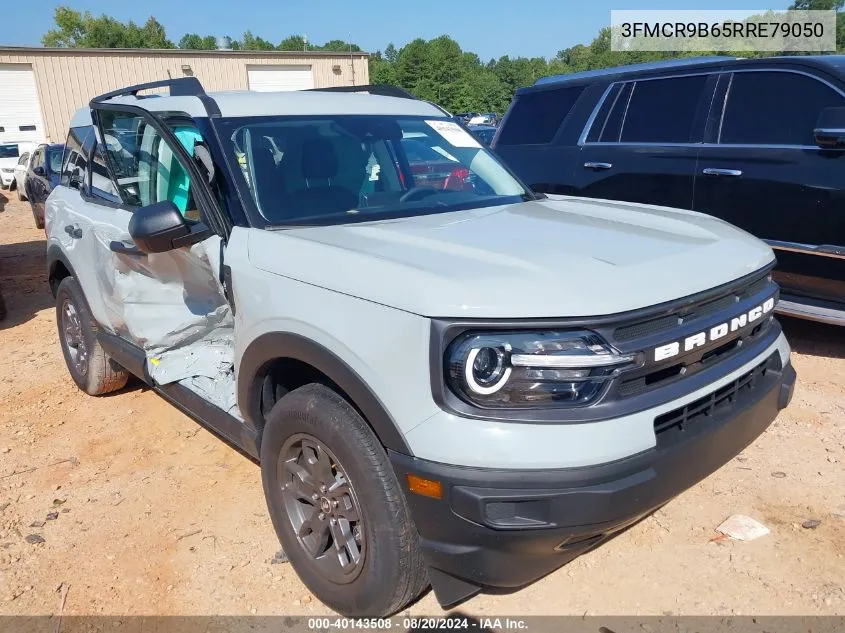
pixel 417 193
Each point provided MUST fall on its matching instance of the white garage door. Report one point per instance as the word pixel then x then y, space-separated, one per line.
pixel 20 112
pixel 279 78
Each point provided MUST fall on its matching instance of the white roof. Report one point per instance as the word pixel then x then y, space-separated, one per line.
pixel 304 102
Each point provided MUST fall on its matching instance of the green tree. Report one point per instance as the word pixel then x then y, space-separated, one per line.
pixel 82 30
pixel 252 42
pixel 292 43
pixel 339 46
pixel 198 42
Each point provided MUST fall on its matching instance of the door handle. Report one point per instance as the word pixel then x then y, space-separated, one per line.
pixel 74 231
pixel 711 171
pixel 126 249
pixel 591 165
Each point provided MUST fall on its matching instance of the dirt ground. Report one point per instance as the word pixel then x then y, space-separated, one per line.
pixel 141 511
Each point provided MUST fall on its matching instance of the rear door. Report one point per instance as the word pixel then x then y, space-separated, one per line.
pixel 642 144
pixel 763 172
pixel 36 186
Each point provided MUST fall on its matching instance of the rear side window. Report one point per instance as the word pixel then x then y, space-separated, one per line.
pixel 663 110
pixel 537 116
pixel 775 108
pixel 75 158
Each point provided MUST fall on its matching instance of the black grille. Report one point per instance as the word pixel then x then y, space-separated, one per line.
pixel 721 399
pixel 690 313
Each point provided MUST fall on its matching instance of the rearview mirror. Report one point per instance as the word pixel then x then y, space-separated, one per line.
pixel 155 227
pixel 829 132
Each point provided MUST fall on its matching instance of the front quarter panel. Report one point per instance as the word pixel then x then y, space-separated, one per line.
pixel 387 348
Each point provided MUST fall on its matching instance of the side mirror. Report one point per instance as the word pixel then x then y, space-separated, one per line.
pixel 829 132
pixel 38 171
pixel 155 227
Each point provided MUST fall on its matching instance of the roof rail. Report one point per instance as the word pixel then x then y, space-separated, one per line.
pixel 655 65
pixel 382 90
pixel 179 87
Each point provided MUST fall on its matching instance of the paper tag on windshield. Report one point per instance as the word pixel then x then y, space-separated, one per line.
pixel 453 133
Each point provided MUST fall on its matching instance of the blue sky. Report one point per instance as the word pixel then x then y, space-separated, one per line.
pixel 490 28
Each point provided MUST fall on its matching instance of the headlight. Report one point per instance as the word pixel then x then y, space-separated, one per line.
pixel 8 170
pixel 530 369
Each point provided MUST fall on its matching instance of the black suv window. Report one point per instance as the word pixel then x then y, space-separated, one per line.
pixel 536 116
pixel 75 158
pixel 775 108
pixel 663 110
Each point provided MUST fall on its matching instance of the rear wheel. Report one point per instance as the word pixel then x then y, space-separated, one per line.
pixel 337 507
pixel 89 365
pixel 38 217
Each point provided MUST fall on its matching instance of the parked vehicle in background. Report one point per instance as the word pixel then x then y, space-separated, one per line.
pixel 488 118
pixel 45 167
pixel 461 387
pixel 19 183
pixel 759 143
pixel 483 133
pixel 9 156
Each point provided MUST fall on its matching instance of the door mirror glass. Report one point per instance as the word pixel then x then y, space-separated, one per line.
pixel 38 171
pixel 157 228
pixel 829 132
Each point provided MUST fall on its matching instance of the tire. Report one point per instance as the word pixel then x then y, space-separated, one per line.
pixel 21 194
pixel 389 573
pixel 39 220
pixel 91 368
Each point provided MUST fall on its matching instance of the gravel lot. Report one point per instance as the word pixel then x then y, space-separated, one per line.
pixel 141 511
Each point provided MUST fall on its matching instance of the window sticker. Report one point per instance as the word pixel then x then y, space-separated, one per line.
pixel 453 133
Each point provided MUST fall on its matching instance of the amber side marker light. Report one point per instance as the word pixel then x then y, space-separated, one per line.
pixel 425 487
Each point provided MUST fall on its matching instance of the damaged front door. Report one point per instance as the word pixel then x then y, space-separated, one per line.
pixel 172 304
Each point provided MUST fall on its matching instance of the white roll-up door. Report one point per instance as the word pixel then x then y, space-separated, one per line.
pixel 279 78
pixel 20 111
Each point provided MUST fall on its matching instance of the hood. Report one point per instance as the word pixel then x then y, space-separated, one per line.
pixel 6 163
pixel 560 257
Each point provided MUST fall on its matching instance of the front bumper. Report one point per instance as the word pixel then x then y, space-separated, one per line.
pixel 507 528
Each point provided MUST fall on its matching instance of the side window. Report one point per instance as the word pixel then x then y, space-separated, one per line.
pixel 23 159
pixel 537 116
pixel 663 110
pixel 38 159
pixel 74 161
pixel 608 124
pixel 775 108
pixel 101 182
pixel 146 168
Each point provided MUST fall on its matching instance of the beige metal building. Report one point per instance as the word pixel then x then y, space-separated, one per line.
pixel 40 88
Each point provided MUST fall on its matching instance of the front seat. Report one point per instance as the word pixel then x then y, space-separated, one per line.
pixel 269 182
pixel 321 170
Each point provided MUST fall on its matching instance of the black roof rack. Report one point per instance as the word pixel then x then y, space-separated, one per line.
pixel 179 87
pixel 382 90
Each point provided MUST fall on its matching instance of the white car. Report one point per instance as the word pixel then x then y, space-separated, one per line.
pixel 9 155
pixel 19 175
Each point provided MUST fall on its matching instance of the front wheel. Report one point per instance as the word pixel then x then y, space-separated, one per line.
pixel 37 216
pixel 337 507
pixel 21 194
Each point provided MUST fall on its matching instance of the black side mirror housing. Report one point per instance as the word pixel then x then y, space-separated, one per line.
pixel 38 171
pixel 155 227
pixel 829 132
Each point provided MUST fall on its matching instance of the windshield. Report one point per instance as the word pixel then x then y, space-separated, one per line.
pixel 339 169
pixel 9 151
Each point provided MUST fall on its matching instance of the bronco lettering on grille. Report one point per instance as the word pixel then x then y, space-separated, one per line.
pixel 714 333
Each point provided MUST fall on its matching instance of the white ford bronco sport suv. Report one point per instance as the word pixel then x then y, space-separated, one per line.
pixel 446 378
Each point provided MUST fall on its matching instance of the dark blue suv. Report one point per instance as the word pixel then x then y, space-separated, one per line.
pixel 759 143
